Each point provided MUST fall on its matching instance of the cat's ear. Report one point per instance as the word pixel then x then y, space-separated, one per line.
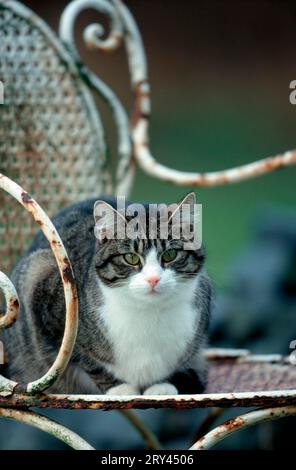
pixel 184 210
pixel 109 223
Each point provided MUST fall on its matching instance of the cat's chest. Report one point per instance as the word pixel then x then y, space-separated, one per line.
pixel 148 343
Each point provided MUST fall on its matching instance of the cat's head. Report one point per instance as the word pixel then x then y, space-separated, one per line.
pixel 150 265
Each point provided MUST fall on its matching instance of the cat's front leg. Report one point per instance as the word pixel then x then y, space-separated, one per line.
pixel 123 389
pixel 187 381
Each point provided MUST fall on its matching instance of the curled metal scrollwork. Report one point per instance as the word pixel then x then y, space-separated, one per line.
pixel 93 38
pixel 93 33
pixel 124 28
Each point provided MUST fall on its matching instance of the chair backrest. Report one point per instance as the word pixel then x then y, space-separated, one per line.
pixel 51 137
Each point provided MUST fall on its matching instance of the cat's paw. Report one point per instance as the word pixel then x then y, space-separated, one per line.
pixel 164 388
pixel 123 389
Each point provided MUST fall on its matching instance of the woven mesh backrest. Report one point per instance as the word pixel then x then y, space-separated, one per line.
pixel 51 139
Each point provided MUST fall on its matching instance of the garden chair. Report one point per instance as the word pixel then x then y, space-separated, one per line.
pixel 52 153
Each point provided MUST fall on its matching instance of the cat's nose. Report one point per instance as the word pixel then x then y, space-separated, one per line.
pixel 153 280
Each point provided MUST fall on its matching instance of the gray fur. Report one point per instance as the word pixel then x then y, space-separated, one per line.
pixel 32 343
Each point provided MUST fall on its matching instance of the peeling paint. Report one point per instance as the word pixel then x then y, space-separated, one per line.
pixel 47 425
pixel 273 398
pixel 26 198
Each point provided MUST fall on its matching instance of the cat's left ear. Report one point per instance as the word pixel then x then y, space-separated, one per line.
pixel 110 224
pixel 183 223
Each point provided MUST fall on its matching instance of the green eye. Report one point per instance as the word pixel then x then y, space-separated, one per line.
pixel 132 258
pixel 169 255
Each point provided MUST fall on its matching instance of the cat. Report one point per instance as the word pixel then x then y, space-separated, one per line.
pixel 144 308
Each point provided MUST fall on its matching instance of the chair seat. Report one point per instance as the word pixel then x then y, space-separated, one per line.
pixel 243 372
pixel 236 379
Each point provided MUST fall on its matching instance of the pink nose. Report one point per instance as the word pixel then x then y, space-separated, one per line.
pixel 153 280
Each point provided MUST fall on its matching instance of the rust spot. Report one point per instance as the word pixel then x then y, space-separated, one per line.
pixel 274 163
pixel 138 112
pixel 67 272
pixel 39 222
pixel 26 198
pixel 202 180
pixel 224 179
pixel 117 37
pixel 232 424
pixel 200 442
pixel 138 88
pixel 20 401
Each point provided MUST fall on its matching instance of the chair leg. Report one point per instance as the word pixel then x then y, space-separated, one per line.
pixel 148 436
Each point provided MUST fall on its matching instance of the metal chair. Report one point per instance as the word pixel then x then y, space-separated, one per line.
pixel 52 150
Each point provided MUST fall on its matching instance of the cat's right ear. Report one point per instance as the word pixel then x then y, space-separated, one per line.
pixel 109 223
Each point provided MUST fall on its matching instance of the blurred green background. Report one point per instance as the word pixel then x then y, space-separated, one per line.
pixel 220 74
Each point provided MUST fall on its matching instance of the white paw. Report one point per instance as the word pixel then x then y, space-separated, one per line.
pixel 123 389
pixel 161 389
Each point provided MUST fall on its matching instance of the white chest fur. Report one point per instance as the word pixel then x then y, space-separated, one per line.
pixel 148 340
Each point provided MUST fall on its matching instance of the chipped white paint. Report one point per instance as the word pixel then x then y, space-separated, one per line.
pixel 92 36
pixel 241 422
pixel 47 425
pixel 202 400
pixel 123 28
pixel 70 292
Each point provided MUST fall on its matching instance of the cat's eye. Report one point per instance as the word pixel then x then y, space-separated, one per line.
pixel 132 259
pixel 169 255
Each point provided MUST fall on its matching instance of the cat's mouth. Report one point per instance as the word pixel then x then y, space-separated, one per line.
pixel 153 292
pixel 156 291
